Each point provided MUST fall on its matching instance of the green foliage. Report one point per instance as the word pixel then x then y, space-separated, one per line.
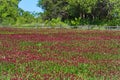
pixel 8 11
pixel 59 13
pixel 53 9
pixel 25 19
pixel 92 12
pixel 55 23
pixel 8 21
pixel 114 22
pixel 11 14
pixel 75 22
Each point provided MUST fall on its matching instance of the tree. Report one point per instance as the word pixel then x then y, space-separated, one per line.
pixel 81 8
pixel 91 10
pixel 54 9
pixel 9 11
pixel 102 9
pixel 115 12
pixel 25 17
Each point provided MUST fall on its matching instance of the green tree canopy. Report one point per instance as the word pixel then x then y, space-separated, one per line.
pixel 9 10
pixel 84 9
pixel 53 8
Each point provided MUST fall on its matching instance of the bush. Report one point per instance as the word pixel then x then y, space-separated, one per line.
pixel 55 23
pixel 114 22
pixel 74 22
pixel 8 21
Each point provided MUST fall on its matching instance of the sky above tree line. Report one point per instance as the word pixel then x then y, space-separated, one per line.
pixel 30 5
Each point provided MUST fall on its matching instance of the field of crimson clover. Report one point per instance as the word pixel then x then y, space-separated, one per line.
pixel 59 54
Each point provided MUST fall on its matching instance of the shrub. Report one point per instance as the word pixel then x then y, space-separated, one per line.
pixel 114 22
pixel 55 23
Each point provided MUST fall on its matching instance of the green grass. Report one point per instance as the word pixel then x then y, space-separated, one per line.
pixel 6 32
pixel 47 67
pixel 102 56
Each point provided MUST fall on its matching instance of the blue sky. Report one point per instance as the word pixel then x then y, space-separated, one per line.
pixel 30 5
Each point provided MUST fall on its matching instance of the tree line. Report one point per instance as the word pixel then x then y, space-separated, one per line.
pixel 11 14
pixel 82 12
pixel 70 12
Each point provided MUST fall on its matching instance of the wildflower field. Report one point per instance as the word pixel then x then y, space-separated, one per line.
pixel 59 54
